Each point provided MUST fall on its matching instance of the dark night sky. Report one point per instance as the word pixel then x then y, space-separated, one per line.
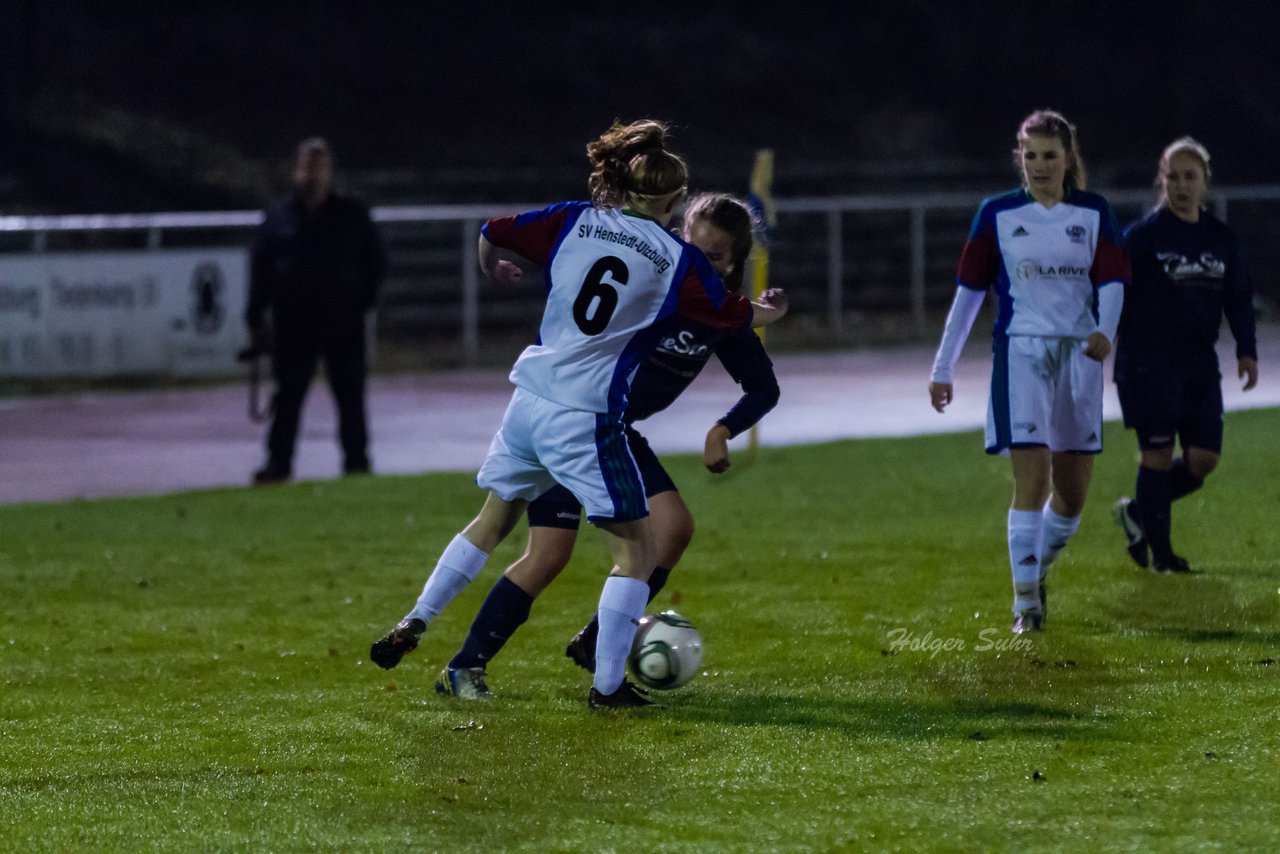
pixel 211 92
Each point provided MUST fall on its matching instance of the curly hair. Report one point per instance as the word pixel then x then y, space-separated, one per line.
pixel 632 160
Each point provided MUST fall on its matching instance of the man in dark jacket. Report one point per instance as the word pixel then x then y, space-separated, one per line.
pixel 316 265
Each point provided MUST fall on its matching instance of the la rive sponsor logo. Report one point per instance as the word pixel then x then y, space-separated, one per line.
pixel 1029 270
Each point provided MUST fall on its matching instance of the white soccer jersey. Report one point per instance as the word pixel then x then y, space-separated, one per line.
pixel 1046 264
pixel 611 275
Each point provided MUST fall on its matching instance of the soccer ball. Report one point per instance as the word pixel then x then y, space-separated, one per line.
pixel 667 651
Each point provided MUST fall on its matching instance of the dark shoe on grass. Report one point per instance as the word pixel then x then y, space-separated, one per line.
pixel 387 651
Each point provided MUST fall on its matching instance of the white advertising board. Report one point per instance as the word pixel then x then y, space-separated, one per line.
pixel 176 312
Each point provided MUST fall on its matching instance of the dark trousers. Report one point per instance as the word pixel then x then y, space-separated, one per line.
pixel 294 364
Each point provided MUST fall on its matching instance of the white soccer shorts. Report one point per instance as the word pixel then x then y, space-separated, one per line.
pixel 542 443
pixel 1045 392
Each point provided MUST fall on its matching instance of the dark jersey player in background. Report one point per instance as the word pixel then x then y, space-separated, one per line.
pixel 1187 273
pixel 721 226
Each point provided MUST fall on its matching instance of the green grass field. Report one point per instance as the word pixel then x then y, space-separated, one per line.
pixel 190 672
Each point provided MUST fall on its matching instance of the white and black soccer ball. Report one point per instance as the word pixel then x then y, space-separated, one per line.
pixel 667 651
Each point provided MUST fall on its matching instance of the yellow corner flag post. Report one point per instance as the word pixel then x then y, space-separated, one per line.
pixel 762 209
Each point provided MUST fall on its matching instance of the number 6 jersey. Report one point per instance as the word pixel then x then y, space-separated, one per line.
pixel 612 276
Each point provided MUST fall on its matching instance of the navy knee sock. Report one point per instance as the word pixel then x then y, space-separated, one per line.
pixel 1154 510
pixel 657 581
pixel 1181 481
pixel 504 610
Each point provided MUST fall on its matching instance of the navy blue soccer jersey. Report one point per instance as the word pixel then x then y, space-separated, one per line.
pixel 683 350
pixel 1186 276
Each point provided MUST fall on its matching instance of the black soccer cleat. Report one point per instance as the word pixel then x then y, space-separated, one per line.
pixel 397 643
pixel 628 696
pixel 1174 565
pixel 1044 602
pixel 1122 512
pixel 582 652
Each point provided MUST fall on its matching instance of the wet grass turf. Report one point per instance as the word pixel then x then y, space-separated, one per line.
pixel 190 672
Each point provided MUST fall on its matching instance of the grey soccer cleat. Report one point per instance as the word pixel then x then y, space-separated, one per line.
pixel 1028 621
pixel 465 683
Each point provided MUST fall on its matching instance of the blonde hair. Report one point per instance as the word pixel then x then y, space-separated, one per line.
pixel 1181 145
pixel 1054 124
pixel 631 162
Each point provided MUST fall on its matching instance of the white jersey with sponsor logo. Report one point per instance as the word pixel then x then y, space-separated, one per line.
pixel 1045 264
pixel 611 276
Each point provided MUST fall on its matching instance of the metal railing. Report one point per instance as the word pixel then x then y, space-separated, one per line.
pixel 920 211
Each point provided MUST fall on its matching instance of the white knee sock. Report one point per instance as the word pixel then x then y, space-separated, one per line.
pixel 1055 533
pixel 622 603
pixel 1024 545
pixel 460 563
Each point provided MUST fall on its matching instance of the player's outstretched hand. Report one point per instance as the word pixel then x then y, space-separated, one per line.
pixel 1248 371
pixel 507 273
pixel 715 454
pixel 1097 347
pixel 771 307
pixel 940 394
pixel 776 298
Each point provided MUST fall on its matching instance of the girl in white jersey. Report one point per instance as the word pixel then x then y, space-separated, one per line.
pixel 613 273
pixel 1052 254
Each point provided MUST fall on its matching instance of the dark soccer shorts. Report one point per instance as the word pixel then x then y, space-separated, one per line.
pixel 557 508
pixel 1160 409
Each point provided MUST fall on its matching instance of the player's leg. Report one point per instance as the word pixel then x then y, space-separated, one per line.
pixel 1153 499
pixel 457 566
pixel 1072 472
pixel 1133 406
pixel 1031 484
pixel 1200 433
pixel 513 476
pixel 1018 419
pixel 1075 436
pixel 673 529
pixel 622 604
pixel 589 455
pixel 553 531
pixel 1151 405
